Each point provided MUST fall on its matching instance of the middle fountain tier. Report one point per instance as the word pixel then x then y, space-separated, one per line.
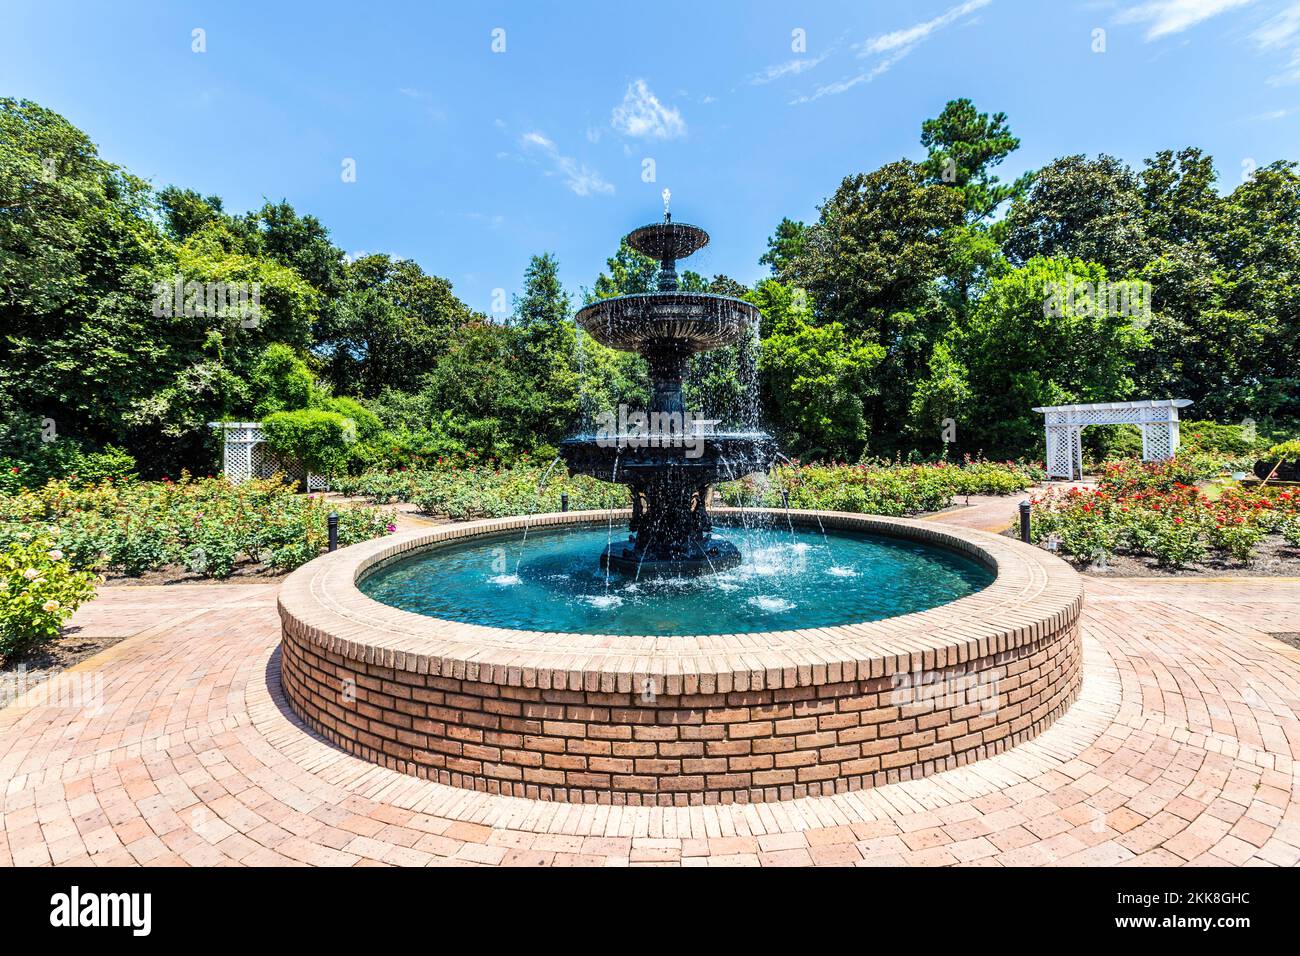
pixel 668 458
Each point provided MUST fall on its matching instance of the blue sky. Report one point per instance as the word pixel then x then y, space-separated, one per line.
pixel 470 160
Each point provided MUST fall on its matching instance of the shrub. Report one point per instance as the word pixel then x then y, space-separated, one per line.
pixel 1290 529
pixel 65 459
pixel 1111 442
pixel 281 381
pixel 319 440
pixel 39 590
pixel 1175 525
pixel 1238 536
pixel 367 424
pixel 1091 538
pixel 1231 441
pixel 1178 542
pixel 1131 475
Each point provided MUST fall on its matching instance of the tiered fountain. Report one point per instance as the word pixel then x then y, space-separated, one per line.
pixel 671 470
pixel 496 655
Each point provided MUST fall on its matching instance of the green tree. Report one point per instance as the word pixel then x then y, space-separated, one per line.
pixel 784 248
pixel 281 381
pixel 79 253
pixel 872 263
pixel 300 242
pixel 1260 249
pixel 545 342
pixel 1084 209
pixel 389 328
pixel 629 272
pixel 964 145
pixel 185 212
pixel 1040 336
pixel 815 378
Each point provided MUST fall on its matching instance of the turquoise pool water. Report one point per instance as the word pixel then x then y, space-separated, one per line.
pixel 788 579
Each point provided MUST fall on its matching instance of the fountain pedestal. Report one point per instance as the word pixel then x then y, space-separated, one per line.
pixel 669 466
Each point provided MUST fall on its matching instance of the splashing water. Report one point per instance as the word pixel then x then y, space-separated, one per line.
pixel 765 602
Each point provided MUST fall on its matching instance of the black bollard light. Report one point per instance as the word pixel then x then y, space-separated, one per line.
pixel 1024 521
pixel 333 523
pixel 785 499
pixel 564 501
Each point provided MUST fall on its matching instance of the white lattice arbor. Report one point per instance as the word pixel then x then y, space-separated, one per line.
pixel 1157 420
pixel 246 454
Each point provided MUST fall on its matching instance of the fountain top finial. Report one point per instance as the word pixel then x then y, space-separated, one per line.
pixel 668 217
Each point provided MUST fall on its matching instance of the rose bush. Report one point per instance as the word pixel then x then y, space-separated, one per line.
pixel 39 590
pixel 460 491
pixel 1140 510
pixel 205 525
pixel 886 488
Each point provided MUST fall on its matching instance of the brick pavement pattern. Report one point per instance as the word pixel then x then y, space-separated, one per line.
pixel 1180 749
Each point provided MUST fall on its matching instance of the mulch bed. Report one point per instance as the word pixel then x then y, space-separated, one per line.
pixel 245 572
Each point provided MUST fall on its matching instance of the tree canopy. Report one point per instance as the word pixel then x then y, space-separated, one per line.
pixel 923 297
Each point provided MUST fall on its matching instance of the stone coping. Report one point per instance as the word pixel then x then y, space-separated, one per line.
pixel 1033 597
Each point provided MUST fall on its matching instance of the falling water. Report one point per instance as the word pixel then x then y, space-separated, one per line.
pixel 528 518
pixel 609 543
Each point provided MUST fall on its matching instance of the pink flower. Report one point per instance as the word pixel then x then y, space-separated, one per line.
pixel 391 527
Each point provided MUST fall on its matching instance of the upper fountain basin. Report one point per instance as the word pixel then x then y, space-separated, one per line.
pixel 668 240
pixel 697 321
pixel 710 457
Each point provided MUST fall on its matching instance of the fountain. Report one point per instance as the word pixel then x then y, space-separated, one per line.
pixel 820 652
pixel 669 459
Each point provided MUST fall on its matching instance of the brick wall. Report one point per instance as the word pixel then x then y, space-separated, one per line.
pixel 648 747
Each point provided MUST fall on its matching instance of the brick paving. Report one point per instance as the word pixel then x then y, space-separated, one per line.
pixel 1181 749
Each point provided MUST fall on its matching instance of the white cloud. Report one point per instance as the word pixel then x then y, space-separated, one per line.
pixel 894 46
pixel 788 68
pixel 580 178
pixel 911 36
pixel 641 114
pixel 1167 17
pixel 1271 115
pixel 1282 32
pixel 1290 75
pixel 848 82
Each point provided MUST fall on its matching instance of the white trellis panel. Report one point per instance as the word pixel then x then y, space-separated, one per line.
pixel 245 454
pixel 1157 420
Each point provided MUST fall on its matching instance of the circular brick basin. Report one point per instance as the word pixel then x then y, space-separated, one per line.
pixel 685 719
